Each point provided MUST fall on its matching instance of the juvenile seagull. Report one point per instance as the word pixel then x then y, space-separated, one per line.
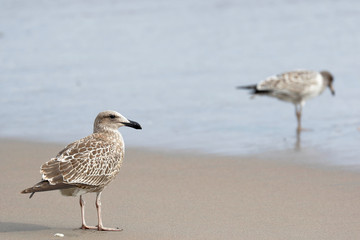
pixel 87 165
pixel 295 87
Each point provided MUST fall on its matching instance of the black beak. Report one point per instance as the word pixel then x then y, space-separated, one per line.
pixel 132 124
pixel 332 90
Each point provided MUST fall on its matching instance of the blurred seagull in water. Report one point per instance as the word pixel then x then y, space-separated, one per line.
pixel 87 165
pixel 295 87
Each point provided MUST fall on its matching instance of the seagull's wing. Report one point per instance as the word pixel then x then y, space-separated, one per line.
pixel 90 161
pixel 295 82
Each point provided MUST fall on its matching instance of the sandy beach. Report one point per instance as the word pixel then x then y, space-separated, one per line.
pixel 170 195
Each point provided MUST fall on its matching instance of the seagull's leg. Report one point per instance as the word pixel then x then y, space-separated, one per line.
pixel 100 226
pixel 298 110
pixel 83 223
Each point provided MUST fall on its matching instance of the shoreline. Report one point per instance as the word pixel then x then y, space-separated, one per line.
pixel 287 156
pixel 174 195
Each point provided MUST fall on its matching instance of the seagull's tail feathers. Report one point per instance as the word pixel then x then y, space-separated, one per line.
pixel 251 87
pixel 254 89
pixel 45 186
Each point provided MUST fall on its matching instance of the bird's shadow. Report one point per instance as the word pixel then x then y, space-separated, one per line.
pixel 20 227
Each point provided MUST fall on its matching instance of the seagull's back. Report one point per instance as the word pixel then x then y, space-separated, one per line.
pixel 88 164
pixel 295 86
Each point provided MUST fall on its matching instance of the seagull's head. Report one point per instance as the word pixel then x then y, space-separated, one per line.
pixel 329 79
pixel 112 120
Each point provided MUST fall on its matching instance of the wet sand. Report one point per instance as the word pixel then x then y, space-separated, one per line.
pixel 169 195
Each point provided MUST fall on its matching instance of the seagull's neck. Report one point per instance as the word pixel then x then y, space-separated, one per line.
pixel 326 82
pixel 105 129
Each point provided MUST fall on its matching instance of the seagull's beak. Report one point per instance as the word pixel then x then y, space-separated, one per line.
pixel 132 124
pixel 332 89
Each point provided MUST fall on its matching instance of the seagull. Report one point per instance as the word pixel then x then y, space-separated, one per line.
pixel 87 165
pixel 295 87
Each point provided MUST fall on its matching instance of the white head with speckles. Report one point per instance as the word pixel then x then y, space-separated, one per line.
pixel 111 120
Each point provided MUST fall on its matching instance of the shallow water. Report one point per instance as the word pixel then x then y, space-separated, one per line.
pixel 173 67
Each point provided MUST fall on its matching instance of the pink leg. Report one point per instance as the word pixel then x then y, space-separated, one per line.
pixel 100 224
pixel 83 223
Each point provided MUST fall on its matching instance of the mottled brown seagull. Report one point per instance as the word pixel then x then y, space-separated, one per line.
pixel 295 87
pixel 87 165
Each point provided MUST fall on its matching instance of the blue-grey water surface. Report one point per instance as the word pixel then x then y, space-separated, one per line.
pixel 173 66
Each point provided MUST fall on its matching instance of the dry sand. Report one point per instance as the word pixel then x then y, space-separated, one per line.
pixel 184 196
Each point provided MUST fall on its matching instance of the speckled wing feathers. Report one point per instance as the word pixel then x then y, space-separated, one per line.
pixel 92 161
pixel 295 82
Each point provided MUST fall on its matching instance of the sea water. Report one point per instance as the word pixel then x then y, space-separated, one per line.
pixel 173 66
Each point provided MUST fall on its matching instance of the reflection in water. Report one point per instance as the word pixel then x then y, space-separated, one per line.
pixel 298 140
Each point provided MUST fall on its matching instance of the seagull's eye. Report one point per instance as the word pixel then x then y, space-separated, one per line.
pixel 112 116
